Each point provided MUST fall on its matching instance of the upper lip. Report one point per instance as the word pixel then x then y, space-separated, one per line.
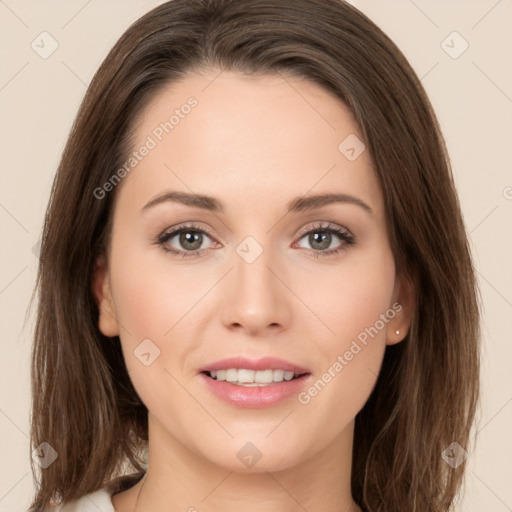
pixel 265 363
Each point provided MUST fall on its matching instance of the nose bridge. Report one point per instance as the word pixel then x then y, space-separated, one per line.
pixel 256 298
pixel 252 269
pixel 255 284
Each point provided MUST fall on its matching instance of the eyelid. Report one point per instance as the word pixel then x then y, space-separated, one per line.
pixel 192 226
pixel 317 226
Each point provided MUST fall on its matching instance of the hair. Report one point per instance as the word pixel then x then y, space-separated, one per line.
pixel 427 393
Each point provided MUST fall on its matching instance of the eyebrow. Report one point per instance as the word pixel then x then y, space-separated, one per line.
pixel 298 204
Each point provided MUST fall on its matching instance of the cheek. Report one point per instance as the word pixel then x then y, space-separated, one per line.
pixel 152 296
pixel 162 302
pixel 356 307
pixel 350 298
pixel 152 306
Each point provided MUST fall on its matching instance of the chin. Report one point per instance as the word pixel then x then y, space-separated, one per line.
pixel 254 454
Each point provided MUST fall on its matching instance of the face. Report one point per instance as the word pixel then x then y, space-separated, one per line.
pixel 257 269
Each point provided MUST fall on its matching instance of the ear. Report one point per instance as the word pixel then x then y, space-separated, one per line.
pixel 403 304
pixel 107 322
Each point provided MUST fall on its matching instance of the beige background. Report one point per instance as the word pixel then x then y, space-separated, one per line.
pixel 472 95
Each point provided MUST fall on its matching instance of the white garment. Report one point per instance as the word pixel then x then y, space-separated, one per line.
pixel 100 500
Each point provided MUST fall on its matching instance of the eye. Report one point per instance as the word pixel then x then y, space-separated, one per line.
pixel 321 237
pixel 189 240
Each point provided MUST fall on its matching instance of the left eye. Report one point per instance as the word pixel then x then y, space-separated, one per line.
pixel 320 239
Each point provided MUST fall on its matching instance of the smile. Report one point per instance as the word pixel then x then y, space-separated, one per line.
pixel 255 395
pixel 251 378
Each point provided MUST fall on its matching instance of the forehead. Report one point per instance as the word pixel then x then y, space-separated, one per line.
pixel 225 133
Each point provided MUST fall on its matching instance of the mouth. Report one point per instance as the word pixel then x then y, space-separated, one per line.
pixel 244 382
pixel 253 378
pixel 254 384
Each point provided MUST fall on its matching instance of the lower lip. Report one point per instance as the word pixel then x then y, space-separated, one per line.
pixel 257 397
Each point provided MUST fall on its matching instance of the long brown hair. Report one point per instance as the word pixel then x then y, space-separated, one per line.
pixel 427 393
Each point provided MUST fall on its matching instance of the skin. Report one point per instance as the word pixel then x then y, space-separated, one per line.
pixel 254 144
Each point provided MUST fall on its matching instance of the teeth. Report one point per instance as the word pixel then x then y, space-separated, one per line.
pixel 245 377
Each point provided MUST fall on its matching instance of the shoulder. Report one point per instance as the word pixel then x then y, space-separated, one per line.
pixel 100 500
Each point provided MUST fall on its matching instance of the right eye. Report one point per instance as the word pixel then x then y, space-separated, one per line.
pixel 189 238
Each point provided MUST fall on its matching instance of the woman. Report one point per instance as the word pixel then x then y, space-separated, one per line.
pixel 255 285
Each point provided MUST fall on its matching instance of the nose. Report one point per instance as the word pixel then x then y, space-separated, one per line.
pixel 257 301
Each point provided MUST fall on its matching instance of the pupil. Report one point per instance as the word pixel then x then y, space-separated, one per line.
pixel 323 239
pixel 194 239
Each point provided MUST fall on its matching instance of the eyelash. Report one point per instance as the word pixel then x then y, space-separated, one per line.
pixel 343 234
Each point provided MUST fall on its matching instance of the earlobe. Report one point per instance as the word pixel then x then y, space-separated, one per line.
pixel 107 320
pixel 405 297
